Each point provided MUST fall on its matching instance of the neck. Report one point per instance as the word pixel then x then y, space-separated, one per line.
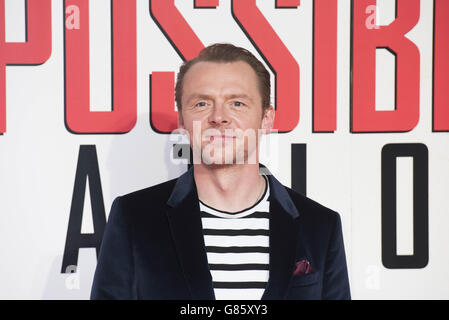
pixel 229 188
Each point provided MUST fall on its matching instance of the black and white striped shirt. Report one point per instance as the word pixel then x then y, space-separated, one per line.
pixel 237 246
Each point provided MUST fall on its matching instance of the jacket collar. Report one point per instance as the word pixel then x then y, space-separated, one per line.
pixel 185 224
pixel 186 184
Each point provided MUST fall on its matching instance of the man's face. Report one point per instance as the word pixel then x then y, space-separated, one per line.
pixel 222 112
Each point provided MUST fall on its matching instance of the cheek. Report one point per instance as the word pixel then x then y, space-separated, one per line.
pixel 195 128
pixel 252 122
pixel 190 117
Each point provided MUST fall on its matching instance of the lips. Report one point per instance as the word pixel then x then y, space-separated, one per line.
pixel 220 137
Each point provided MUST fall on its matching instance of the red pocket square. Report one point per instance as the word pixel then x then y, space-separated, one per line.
pixel 303 267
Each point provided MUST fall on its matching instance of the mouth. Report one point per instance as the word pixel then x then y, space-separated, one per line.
pixel 220 137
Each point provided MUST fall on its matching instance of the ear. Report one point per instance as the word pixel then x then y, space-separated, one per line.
pixel 268 120
pixel 180 129
pixel 180 120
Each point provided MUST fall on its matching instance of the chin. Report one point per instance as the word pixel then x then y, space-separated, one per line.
pixel 225 161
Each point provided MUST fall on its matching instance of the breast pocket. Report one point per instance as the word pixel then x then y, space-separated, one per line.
pixel 307 279
pixel 305 287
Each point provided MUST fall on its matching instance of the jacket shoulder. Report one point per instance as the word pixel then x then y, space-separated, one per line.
pixel 312 209
pixel 156 194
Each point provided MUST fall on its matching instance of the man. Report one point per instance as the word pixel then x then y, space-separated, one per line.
pixel 222 230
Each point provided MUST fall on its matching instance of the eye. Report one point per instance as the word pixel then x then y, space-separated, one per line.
pixel 201 104
pixel 238 104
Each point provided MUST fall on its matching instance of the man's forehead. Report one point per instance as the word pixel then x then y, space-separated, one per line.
pixel 230 79
pixel 214 67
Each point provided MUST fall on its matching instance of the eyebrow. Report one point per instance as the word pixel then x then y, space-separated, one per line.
pixel 198 96
pixel 227 97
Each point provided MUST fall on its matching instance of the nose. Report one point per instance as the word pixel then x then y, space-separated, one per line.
pixel 218 115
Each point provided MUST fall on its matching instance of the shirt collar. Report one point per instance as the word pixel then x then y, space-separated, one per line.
pixel 186 185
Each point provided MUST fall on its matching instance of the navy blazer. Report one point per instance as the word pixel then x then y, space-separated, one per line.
pixel 153 246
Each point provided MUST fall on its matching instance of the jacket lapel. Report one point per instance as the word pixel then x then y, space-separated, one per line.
pixel 283 240
pixel 185 224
